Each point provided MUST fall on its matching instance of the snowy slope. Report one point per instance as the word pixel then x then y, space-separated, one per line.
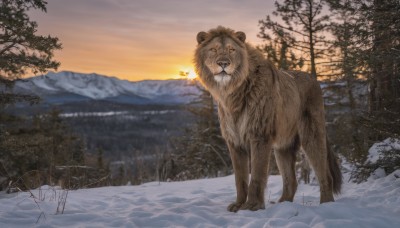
pixel 202 203
pixel 374 153
pixel 99 87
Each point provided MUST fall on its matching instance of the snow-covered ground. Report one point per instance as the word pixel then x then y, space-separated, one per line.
pixel 202 203
pixel 380 148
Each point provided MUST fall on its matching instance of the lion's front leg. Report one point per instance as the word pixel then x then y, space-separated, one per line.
pixel 260 156
pixel 240 163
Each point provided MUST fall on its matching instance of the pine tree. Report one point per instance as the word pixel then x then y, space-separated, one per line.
pixel 39 146
pixel 385 54
pixel 201 151
pixel 302 28
pixel 368 37
pixel 278 51
pixel 22 51
pixel 343 29
pixel 349 135
pixel 376 47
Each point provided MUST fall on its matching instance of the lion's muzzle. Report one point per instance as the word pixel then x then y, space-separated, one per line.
pixel 223 63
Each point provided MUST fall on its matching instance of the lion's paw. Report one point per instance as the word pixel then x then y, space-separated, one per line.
pixel 253 206
pixel 234 207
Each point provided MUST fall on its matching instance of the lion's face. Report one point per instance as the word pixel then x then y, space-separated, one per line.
pixel 221 58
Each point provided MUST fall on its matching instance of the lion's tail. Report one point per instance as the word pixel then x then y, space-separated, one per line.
pixel 334 169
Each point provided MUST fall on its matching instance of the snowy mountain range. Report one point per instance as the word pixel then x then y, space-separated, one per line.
pixel 69 87
pixel 66 86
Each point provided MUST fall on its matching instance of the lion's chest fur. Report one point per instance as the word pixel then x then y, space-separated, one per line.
pixel 244 118
pixel 235 126
pixel 258 113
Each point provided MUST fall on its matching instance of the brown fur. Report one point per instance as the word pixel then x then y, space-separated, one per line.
pixel 262 109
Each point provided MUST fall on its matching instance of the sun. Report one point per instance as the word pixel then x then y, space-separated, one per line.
pixel 188 73
pixel 191 75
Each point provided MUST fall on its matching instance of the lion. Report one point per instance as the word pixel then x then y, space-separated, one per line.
pixel 263 110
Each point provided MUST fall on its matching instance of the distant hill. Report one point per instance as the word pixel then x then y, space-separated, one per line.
pixel 71 87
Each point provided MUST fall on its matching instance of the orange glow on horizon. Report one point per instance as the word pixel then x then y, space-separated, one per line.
pixel 188 73
pixel 125 65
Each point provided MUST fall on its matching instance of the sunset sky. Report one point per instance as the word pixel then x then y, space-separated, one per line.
pixel 136 40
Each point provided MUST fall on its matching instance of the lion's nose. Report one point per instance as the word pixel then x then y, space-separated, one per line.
pixel 223 63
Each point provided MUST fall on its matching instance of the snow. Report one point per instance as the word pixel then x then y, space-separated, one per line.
pixel 97 114
pixel 334 92
pixel 375 151
pixel 325 85
pixel 202 203
pixel 42 84
pixel 378 173
pixel 98 87
pixel 125 114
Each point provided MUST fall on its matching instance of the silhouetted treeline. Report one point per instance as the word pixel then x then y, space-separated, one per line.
pixel 43 150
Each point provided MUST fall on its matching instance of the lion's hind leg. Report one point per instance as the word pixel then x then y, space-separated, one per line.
pixel 313 140
pixel 286 161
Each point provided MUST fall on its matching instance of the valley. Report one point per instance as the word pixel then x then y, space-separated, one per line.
pixel 118 117
pixel 131 122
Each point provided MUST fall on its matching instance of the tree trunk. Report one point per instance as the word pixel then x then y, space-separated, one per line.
pixel 311 43
pixel 384 83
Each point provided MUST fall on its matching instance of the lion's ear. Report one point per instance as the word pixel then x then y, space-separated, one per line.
pixel 201 37
pixel 241 36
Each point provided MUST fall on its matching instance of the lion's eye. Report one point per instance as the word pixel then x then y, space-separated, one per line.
pixel 231 50
pixel 213 50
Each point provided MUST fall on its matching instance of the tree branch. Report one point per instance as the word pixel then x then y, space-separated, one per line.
pixel 7 48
